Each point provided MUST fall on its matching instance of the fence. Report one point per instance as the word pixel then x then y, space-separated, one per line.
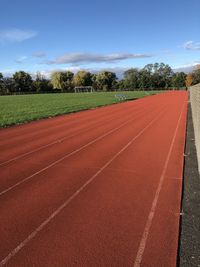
pixel 195 104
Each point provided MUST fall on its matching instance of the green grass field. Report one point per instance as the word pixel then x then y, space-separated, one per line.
pixel 23 108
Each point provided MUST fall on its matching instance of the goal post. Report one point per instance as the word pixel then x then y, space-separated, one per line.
pixel 83 89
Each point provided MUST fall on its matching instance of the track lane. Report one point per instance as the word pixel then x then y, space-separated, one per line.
pixel 100 252
pixel 12 153
pixel 12 146
pixel 168 207
pixel 146 232
pixel 105 161
pixel 46 126
pixel 25 169
pixel 14 136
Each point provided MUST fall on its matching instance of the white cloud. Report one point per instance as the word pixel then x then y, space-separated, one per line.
pixel 7 72
pixel 47 73
pixel 16 35
pixel 39 54
pixel 186 68
pixel 21 59
pixel 82 58
pixel 191 45
pixel 118 70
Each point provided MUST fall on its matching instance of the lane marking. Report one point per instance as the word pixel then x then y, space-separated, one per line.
pixel 53 143
pixel 65 157
pixel 57 211
pixel 173 178
pixel 45 146
pixel 67 120
pixel 79 115
pixel 146 231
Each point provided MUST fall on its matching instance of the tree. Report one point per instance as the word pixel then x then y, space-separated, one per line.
pixel 121 85
pixel 144 80
pixel 22 81
pixel 1 84
pixel 94 81
pixel 131 79
pixel 41 84
pixel 161 75
pixel 196 75
pixel 68 83
pixel 189 79
pixel 105 80
pixel 62 80
pixel 178 79
pixel 83 78
pixel 56 80
pixel 9 85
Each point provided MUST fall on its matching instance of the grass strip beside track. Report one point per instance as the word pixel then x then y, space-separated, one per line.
pixel 24 108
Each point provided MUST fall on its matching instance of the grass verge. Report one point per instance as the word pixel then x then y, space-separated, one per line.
pixel 19 109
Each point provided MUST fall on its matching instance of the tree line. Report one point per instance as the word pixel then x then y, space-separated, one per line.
pixel 152 76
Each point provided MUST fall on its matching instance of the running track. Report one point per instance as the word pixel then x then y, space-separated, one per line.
pixel 94 188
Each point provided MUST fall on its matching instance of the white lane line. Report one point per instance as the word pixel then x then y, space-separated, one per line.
pixel 66 156
pixel 45 146
pixel 53 143
pixel 56 212
pixel 146 231
pixel 52 127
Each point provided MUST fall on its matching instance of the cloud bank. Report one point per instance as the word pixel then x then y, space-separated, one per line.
pixel 21 59
pixel 186 68
pixel 39 54
pixel 190 45
pixel 16 35
pixel 118 70
pixel 82 58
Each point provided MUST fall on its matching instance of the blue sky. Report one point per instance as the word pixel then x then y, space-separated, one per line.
pixel 104 34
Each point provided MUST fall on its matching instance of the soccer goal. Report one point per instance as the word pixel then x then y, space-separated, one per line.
pixel 83 89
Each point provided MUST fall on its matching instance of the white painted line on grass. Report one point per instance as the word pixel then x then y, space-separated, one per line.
pixel 146 231
pixel 56 212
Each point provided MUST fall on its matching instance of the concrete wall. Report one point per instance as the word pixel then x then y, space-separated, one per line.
pixel 195 104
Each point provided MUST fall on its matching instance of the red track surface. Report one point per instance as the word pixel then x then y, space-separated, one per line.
pixel 95 188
